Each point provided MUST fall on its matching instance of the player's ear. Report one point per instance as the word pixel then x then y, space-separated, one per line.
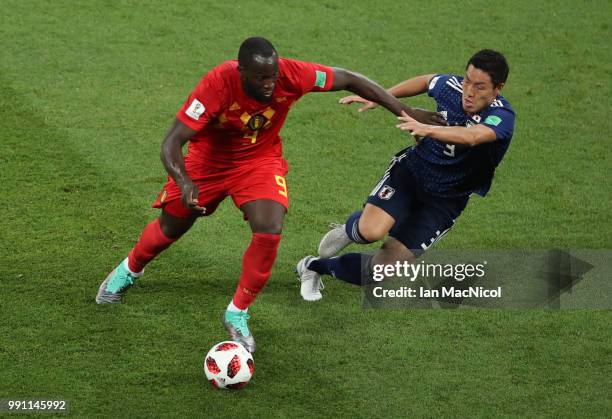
pixel 499 87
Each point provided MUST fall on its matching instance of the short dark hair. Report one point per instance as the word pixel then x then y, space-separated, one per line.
pixel 252 47
pixel 491 62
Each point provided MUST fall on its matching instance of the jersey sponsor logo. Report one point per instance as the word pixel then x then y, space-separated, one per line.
pixel 195 110
pixel 235 106
pixel 321 78
pixel 497 104
pixel 386 192
pixel 493 120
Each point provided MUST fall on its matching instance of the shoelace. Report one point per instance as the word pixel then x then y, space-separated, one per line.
pixel 241 323
pixel 321 284
pixel 130 281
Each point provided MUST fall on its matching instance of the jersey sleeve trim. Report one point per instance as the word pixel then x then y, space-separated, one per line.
pixel 194 125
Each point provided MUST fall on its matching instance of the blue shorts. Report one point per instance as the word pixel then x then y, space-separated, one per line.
pixel 421 219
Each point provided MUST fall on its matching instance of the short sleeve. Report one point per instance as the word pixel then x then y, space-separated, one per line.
pixel 204 102
pixel 500 120
pixel 436 84
pixel 308 77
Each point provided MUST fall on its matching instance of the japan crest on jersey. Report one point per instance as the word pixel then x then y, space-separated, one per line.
pixel 386 192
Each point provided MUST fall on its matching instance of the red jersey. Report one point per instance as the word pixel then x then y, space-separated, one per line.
pixel 233 128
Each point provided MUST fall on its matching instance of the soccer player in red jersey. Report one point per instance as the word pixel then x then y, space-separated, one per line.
pixel 232 121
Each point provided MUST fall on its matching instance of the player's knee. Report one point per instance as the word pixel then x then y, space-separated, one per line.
pixel 171 231
pixel 274 228
pixel 174 227
pixel 371 232
pixel 268 227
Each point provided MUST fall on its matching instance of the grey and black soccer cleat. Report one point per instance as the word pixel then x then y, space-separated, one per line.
pixel 334 241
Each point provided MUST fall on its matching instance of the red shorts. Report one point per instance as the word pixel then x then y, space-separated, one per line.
pixel 260 179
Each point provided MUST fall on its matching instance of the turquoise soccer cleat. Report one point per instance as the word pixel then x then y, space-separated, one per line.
pixel 116 284
pixel 236 324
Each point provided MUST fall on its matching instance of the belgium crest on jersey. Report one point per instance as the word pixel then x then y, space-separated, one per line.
pixel 256 122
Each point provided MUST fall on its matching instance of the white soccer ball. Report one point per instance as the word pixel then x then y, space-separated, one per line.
pixel 229 365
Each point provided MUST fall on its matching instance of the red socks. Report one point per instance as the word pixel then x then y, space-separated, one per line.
pixel 256 268
pixel 152 242
pixel 256 263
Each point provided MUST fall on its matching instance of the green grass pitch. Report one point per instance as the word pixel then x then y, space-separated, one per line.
pixel 87 90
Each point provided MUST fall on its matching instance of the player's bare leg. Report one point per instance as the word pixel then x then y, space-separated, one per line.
pixel 392 251
pixel 266 220
pixel 156 237
pixel 174 227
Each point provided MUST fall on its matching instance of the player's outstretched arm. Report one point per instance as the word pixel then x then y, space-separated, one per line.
pixel 371 91
pixel 471 136
pixel 412 87
pixel 408 88
pixel 174 162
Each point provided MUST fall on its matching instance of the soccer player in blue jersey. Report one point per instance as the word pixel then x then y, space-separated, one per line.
pixel 428 185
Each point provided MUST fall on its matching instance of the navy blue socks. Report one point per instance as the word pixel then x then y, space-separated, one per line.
pixel 353 268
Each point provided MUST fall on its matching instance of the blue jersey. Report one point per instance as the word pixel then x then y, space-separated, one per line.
pixel 450 170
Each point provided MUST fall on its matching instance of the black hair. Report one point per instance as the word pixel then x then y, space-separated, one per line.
pixel 252 47
pixel 491 62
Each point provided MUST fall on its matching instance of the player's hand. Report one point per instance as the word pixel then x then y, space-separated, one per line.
pixel 189 197
pixel 413 126
pixel 428 117
pixel 347 100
